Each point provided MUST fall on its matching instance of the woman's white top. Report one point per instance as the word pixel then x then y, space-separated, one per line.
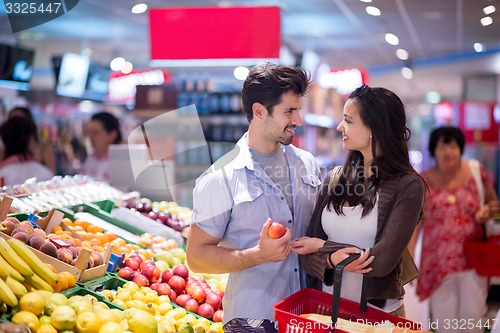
pixel 352 228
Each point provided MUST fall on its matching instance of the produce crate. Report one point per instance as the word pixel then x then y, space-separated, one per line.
pixel 485 256
pixel 81 291
pixel 80 271
pixel 108 281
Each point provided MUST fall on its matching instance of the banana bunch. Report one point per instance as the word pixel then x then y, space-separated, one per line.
pixel 21 271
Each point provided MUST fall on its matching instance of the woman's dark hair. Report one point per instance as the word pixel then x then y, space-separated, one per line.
pixel 16 133
pixel 383 112
pixel 448 134
pixel 21 111
pixel 110 123
pixel 267 83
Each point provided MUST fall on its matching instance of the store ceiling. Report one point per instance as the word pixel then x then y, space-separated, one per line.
pixel 339 30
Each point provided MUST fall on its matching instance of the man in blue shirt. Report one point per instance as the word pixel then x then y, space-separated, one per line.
pixel 263 179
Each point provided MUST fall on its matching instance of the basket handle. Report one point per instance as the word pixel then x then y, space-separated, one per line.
pixel 337 283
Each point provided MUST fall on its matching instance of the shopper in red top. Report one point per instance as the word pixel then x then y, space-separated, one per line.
pixel 453 215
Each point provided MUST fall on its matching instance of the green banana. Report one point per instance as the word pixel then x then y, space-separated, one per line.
pixel 12 258
pixel 12 272
pixel 6 295
pixel 36 265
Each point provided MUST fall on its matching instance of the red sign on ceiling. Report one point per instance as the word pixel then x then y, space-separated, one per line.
pixel 215 33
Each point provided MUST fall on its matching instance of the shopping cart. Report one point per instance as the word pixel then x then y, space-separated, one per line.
pixel 485 255
pixel 306 301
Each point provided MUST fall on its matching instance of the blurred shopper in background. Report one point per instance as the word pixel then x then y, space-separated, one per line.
pixel 103 130
pixel 264 178
pixel 19 163
pixel 371 205
pixel 42 148
pixel 453 215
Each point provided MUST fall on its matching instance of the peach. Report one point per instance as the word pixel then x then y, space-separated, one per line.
pixel 49 249
pixel 22 236
pixel 64 255
pixel 36 241
pixel 98 258
pixel 7 227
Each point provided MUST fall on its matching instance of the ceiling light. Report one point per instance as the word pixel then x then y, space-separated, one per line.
pixel 478 47
pixel 117 63
pixel 374 11
pixel 407 72
pixel 127 68
pixel 391 39
pixel 489 9
pixel 366 0
pixel 139 8
pixel 433 97
pixel 486 21
pixel 241 73
pixel 402 54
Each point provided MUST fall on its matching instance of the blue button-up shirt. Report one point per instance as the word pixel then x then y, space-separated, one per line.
pixel 232 200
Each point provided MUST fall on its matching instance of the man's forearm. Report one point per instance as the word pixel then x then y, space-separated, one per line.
pixel 215 259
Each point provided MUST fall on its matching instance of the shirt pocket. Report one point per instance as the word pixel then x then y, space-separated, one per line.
pixel 310 187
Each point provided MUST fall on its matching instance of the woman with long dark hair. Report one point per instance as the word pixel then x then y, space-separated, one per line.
pixel 371 205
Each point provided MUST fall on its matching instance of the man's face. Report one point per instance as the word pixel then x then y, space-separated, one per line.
pixel 281 124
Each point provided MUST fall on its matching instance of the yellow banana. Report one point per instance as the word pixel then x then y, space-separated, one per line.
pixel 6 295
pixel 4 272
pixel 17 287
pixel 12 258
pixel 38 283
pixel 12 272
pixel 36 265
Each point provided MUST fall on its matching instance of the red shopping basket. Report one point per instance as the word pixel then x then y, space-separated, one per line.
pixel 485 256
pixel 287 312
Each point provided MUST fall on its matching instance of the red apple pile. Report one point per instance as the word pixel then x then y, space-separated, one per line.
pixel 193 294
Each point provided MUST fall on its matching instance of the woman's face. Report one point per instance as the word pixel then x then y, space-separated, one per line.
pixel 447 154
pixel 99 138
pixel 355 134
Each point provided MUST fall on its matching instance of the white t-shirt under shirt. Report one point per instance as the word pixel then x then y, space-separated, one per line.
pixel 96 167
pixel 351 228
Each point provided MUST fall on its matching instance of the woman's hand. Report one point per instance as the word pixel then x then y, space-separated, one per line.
pixel 483 214
pixel 307 245
pixel 359 265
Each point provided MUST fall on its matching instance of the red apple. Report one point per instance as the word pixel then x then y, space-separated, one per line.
pixel 214 300
pixel 206 310
pixel 126 273
pixel 173 294
pixel 132 263
pixel 163 289
pixel 151 272
pixel 177 283
pixel 167 274
pixel 136 257
pixel 198 293
pixel 191 305
pixel 182 299
pixel 276 230
pixel 218 316
pixel 219 293
pixel 154 286
pixel 140 280
pixel 181 270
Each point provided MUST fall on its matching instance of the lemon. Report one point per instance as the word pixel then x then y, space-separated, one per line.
pixel 55 300
pixel 107 315
pixel 91 298
pixel 87 322
pixel 120 303
pixel 82 306
pixel 101 305
pixel 108 295
pixel 141 321
pixel 111 327
pixel 164 308
pixel 46 328
pixel 27 318
pixel 199 328
pixel 32 302
pixel 185 328
pixel 63 317
pixel 44 320
pixel 129 285
pixel 216 328
pixel 119 314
